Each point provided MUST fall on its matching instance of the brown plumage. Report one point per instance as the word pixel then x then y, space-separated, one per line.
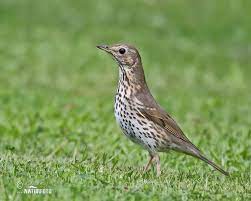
pixel 140 117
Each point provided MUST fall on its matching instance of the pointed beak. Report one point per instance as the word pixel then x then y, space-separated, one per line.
pixel 103 47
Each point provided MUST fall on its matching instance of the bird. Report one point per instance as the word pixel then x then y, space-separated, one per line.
pixel 139 115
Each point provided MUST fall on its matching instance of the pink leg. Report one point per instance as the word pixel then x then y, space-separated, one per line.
pixel 158 165
pixel 146 168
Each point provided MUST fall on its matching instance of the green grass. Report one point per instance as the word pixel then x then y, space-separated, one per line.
pixel 57 128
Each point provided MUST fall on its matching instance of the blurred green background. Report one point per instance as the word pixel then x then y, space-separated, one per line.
pixel 57 128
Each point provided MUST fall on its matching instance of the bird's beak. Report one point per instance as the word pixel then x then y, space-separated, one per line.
pixel 104 47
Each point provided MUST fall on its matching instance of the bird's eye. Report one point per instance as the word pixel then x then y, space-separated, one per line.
pixel 122 50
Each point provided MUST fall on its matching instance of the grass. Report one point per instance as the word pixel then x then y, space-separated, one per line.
pixel 56 97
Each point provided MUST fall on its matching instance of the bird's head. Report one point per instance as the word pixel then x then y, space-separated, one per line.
pixel 128 59
pixel 127 56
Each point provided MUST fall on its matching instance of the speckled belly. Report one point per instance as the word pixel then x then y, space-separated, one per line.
pixel 133 126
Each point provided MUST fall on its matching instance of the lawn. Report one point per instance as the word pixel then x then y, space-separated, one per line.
pixel 57 128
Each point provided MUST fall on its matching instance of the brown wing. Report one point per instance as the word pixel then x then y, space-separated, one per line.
pixel 163 119
pixel 149 108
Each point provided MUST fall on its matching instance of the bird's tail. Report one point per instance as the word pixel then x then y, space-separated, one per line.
pixel 194 151
pixel 203 158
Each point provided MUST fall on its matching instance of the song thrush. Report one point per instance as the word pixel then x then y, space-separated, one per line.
pixel 140 117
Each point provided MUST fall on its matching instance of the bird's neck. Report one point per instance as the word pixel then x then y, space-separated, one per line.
pixel 131 81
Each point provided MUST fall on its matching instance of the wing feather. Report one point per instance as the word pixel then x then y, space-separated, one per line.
pixel 164 120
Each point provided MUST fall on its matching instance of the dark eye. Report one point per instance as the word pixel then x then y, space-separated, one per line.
pixel 122 50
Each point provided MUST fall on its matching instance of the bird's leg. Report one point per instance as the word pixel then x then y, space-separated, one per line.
pixel 146 168
pixel 158 164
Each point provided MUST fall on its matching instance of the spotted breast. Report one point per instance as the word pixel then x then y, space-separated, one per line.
pixel 133 124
